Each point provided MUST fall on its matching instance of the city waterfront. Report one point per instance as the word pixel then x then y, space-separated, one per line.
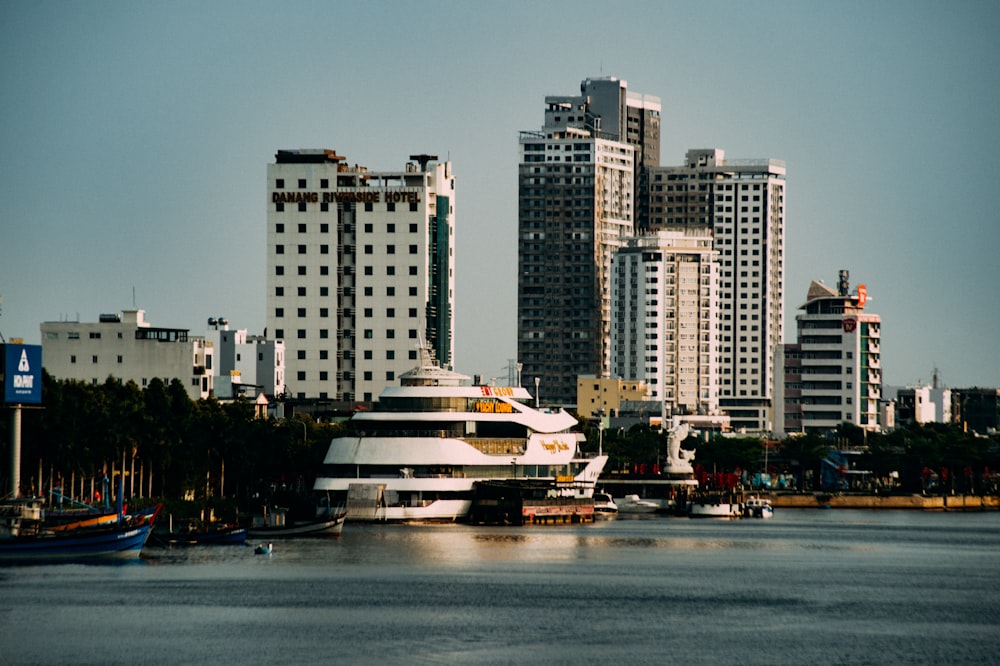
pixel 810 585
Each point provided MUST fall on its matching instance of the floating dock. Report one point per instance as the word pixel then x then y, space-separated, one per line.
pixel 528 503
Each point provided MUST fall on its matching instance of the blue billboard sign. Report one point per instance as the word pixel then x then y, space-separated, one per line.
pixel 22 374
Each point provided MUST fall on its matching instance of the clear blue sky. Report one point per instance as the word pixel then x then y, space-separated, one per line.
pixel 135 137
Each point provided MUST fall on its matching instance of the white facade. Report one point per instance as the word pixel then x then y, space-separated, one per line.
pixel 243 360
pixel 127 347
pixel 360 268
pixel 743 202
pixel 833 373
pixel 664 329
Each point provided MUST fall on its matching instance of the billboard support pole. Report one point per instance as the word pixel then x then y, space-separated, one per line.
pixel 15 452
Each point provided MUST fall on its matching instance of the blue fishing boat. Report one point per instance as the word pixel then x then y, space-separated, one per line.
pixel 24 541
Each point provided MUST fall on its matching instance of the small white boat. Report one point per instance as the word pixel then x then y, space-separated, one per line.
pixel 758 507
pixel 604 505
pixel 272 525
pixel 713 506
pixel 633 504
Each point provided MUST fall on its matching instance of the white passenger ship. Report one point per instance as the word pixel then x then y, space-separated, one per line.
pixel 417 455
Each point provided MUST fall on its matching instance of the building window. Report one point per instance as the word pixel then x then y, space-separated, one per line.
pixel 413 206
pixel 390 354
pixel 369 249
pixel 390 312
pixel 368 375
pixel 302 183
pixel 94 358
pixel 368 312
pixel 324 291
pixel 390 206
pixel 300 354
pixel 390 249
pixel 323 375
pixel 301 312
pixel 413 270
pixel 413 227
pixel 302 249
pixel 279 184
pixel 390 375
pixel 279 270
pixel 324 183
pixel 324 228
pixel 72 358
pixel 302 270
pixel 390 270
pixel 325 270
pixel 279 333
pixel 302 228
pixel 389 333
pixel 369 227
pixel 279 249
pixel 279 312
pixel 368 354
pixel 279 207
pixel 279 291
pixel 390 291
pixel 301 334
pixel 324 333
pixel 369 291
pixel 302 291
pixel 302 206
pixel 323 354
pixel 368 334
pixel 369 207
pixel 300 375
pixel 324 312
pixel 390 228
pixel 369 271
pixel 324 249
pixel 279 228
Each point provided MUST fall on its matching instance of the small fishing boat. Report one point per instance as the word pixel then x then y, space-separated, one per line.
pixel 273 525
pixel 758 507
pixel 224 535
pixel 263 549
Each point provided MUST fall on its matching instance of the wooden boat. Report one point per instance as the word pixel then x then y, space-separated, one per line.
pixel 226 535
pixel 272 525
pixel 30 541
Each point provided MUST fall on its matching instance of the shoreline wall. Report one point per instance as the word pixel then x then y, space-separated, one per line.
pixel 917 502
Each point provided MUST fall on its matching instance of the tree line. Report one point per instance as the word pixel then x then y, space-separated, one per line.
pixel 161 443
pixel 917 458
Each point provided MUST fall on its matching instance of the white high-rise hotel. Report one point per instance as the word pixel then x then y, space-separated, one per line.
pixel 743 203
pixel 360 270
pixel 664 319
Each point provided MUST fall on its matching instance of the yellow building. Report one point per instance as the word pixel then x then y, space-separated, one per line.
pixel 607 393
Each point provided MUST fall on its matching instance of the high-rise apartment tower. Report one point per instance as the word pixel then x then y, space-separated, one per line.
pixel 743 203
pixel 578 194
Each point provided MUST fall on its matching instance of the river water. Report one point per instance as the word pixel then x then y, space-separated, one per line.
pixel 807 587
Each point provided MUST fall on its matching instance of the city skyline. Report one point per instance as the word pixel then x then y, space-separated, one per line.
pixel 136 139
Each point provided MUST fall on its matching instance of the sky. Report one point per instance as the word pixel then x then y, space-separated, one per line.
pixel 134 140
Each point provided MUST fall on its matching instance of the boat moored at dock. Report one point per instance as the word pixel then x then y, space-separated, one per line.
pixel 418 454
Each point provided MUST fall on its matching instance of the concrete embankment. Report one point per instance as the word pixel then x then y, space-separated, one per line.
pixel 916 502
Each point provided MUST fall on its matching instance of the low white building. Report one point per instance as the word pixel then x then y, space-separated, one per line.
pixel 246 364
pixel 127 347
